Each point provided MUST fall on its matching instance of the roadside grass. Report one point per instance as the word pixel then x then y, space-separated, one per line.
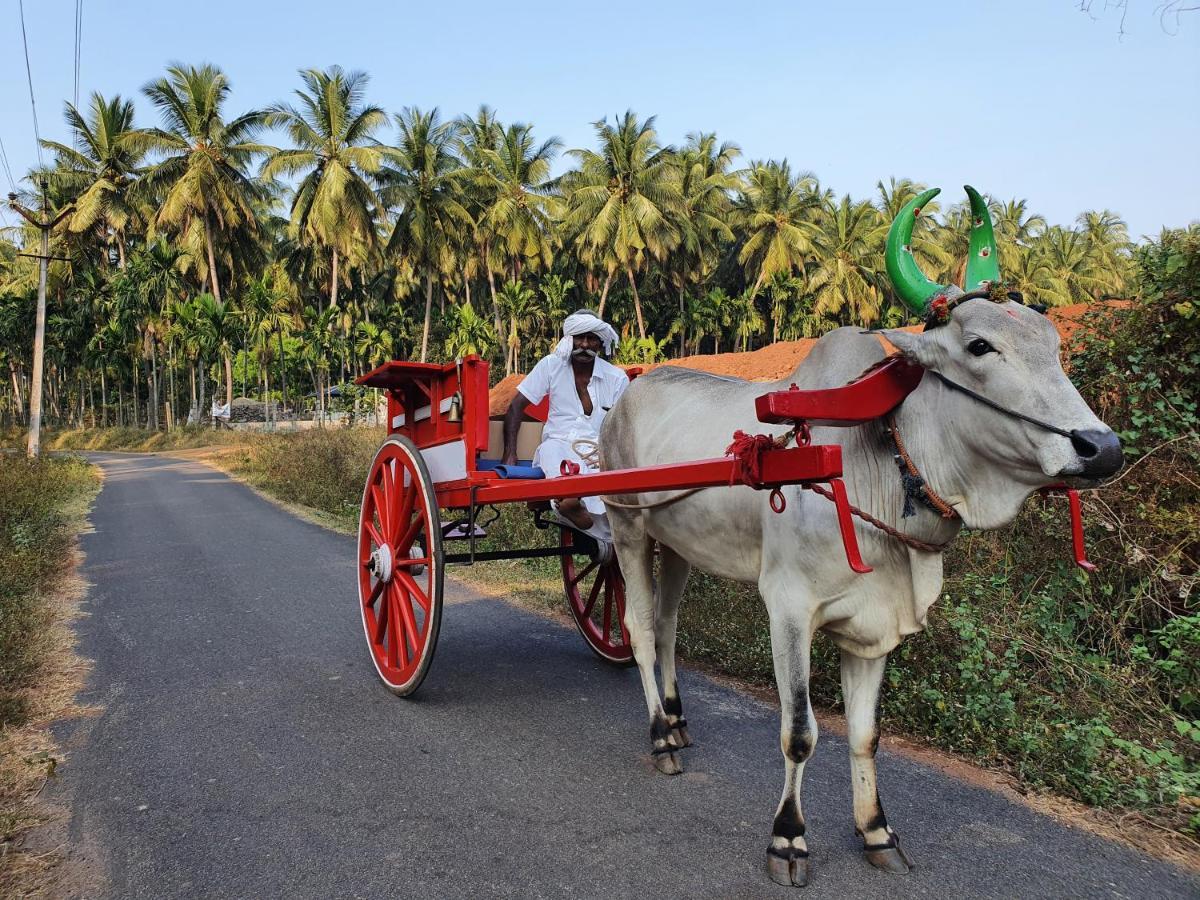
pixel 42 508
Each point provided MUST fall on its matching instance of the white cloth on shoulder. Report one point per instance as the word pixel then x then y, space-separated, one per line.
pixel 585 323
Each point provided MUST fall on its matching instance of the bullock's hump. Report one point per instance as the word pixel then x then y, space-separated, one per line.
pixel 838 357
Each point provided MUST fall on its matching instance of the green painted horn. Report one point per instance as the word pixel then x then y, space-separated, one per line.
pixel 907 278
pixel 983 262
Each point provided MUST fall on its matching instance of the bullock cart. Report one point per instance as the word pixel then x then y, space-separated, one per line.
pixel 437 481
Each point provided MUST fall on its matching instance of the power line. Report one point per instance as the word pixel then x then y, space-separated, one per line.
pixel 78 45
pixel 12 184
pixel 37 134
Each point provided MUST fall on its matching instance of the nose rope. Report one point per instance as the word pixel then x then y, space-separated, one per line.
pixel 954 385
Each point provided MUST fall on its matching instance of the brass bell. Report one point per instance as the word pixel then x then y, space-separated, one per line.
pixel 455 414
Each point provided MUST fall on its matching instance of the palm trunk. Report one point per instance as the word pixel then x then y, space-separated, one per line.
pixel 203 393
pixel 154 383
pixel 604 294
pixel 212 258
pixel 229 381
pixel 637 303
pixel 103 400
pixel 682 352
pixel 496 318
pixel 195 403
pixel 282 370
pixel 333 281
pixel 120 251
pixel 428 315
pixel 19 409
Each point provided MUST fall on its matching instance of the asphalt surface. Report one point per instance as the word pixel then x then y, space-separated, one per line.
pixel 246 748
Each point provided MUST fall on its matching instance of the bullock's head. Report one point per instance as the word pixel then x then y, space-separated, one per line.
pixel 985 339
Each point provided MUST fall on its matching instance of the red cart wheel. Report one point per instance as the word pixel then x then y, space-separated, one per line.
pixel 596 597
pixel 400 565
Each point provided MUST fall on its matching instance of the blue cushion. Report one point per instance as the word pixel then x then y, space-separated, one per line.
pixel 519 472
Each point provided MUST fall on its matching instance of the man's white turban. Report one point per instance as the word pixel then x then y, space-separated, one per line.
pixel 585 323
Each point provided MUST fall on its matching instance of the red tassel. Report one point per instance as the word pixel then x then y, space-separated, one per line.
pixel 747 451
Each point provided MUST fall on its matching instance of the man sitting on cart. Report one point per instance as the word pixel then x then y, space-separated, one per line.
pixel 583 387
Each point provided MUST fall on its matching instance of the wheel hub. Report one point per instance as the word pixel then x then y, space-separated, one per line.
pixel 381 563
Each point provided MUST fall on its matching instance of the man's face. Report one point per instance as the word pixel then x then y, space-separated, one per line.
pixel 585 347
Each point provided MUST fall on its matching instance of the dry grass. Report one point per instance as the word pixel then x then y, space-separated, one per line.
pixel 32 831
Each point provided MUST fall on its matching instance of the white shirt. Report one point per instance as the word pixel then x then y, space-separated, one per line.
pixel 567 420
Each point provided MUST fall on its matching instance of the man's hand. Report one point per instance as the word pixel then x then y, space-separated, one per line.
pixel 512 424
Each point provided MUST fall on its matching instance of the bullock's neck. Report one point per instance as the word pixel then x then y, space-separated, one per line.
pixel 874 484
pixel 930 422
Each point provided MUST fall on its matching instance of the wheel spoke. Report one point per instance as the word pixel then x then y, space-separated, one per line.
pixel 403 519
pixel 608 603
pixel 414 589
pixel 381 621
pixel 374 533
pixel 380 496
pixel 599 583
pixel 395 635
pixel 405 541
pixel 406 613
pixel 375 592
pixel 583 574
pixel 408 562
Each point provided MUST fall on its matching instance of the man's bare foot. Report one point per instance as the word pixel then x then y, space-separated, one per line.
pixel 574 510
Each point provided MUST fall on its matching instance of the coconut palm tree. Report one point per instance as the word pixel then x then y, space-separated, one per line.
pixel 622 203
pixel 1107 237
pixel 846 275
pixel 774 210
pixel 335 150
pixel 522 204
pixel 1073 273
pixel 99 171
pixel 421 180
pixel 202 177
pixel 525 316
pixel 476 136
pixel 704 170
pixel 1016 228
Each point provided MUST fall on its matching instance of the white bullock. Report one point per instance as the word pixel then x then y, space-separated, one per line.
pixel 983 461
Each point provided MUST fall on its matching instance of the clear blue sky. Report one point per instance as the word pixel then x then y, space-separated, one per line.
pixel 1026 98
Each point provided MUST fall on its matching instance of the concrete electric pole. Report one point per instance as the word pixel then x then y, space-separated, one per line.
pixel 44 224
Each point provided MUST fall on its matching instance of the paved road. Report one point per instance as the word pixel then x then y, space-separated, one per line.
pixel 247 750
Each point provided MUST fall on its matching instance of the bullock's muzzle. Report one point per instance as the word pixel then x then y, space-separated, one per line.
pixel 1099 452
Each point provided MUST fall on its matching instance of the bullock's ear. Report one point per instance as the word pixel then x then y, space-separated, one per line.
pixel 921 347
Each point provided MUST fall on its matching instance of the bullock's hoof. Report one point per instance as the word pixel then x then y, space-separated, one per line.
pixel 679 734
pixel 888 857
pixel 788 866
pixel 667 760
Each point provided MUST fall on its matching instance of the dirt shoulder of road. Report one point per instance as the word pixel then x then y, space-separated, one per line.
pixel 35 858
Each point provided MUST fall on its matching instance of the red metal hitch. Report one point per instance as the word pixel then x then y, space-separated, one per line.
pixel 1076 512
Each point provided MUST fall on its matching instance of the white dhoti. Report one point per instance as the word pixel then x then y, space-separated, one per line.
pixel 549 458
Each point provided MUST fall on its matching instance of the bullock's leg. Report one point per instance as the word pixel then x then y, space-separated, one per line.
pixel 861 679
pixel 791 641
pixel 635 551
pixel 672 579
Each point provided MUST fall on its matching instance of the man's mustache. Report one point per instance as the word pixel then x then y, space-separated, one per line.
pixel 584 353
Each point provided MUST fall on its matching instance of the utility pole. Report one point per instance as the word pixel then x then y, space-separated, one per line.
pixel 44 224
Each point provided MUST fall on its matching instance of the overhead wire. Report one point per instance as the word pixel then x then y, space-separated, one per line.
pixel 37 134
pixel 12 183
pixel 78 45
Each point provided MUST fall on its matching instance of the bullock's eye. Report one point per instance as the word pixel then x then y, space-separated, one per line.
pixel 980 347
